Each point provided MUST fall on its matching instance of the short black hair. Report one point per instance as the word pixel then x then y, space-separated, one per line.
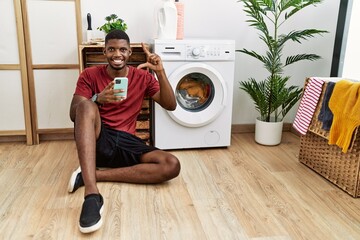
pixel 117 34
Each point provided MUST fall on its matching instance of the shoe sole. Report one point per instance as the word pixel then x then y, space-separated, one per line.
pixel 94 227
pixel 71 184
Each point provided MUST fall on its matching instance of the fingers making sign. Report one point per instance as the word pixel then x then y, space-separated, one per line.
pixel 153 61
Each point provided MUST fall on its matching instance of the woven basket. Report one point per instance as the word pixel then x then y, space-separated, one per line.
pixel 329 161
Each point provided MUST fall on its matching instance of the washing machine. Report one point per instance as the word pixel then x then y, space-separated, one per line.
pixel 201 73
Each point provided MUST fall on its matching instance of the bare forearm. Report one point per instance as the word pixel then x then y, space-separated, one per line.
pixel 167 98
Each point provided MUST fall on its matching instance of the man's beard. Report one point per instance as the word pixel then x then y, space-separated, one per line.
pixel 117 68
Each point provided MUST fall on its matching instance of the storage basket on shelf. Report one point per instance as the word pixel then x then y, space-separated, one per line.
pixel 342 169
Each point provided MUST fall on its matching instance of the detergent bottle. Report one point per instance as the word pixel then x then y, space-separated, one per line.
pixel 180 19
pixel 166 19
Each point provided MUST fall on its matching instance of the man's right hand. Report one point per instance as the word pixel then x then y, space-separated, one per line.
pixel 108 94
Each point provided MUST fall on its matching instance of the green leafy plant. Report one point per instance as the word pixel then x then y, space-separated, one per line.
pixel 272 97
pixel 113 22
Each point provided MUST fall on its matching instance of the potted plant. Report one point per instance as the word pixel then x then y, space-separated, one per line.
pixel 273 98
pixel 113 22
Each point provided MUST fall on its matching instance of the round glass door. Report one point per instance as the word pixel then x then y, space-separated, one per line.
pixel 194 92
pixel 200 93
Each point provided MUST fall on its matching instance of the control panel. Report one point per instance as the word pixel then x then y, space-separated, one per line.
pixel 195 50
pixel 209 52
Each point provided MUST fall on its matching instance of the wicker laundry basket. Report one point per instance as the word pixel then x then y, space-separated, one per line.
pixel 329 161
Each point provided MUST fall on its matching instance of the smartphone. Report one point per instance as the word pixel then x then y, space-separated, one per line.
pixel 121 83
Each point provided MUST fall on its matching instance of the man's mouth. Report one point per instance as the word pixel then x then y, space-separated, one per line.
pixel 118 61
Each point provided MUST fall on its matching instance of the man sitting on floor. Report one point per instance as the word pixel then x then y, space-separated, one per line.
pixel 105 126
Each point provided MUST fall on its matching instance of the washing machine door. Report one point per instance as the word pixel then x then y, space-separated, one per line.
pixel 200 93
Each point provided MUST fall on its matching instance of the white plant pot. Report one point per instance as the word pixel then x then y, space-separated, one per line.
pixel 268 133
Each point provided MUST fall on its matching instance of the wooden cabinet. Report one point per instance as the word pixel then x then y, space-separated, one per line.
pixel 91 55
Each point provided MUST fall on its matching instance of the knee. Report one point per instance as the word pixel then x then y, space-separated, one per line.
pixel 86 109
pixel 172 168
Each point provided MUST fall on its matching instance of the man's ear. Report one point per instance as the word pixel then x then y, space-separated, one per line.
pixel 104 51
pixel 130 52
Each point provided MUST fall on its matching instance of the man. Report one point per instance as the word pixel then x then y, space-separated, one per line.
pixel 105 126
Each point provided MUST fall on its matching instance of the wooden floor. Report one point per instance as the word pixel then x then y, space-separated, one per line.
pixel 246 191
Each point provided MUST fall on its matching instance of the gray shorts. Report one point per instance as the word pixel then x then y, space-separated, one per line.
pixel 119 149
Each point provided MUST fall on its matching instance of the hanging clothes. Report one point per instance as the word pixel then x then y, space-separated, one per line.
pixel 345 105
pixel 308 105
pixel 325 115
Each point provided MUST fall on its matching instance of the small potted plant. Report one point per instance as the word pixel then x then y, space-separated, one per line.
pixel 273 98
pixel 113 22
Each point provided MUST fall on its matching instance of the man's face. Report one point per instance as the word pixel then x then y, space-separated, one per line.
pixel 117 52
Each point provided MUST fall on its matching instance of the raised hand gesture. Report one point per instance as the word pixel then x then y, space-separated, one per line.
pixel 153 61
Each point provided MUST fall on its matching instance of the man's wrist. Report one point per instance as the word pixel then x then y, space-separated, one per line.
pixel 160 73
pixel 95 99
pixel 160 70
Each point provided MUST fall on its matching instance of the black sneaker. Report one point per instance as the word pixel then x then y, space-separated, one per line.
pixel 90 217
pixel 75 181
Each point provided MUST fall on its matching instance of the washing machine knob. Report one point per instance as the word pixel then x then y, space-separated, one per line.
pixel 196 52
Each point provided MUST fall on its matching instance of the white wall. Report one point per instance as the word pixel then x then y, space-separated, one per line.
pixel 351 46
pixel 226 20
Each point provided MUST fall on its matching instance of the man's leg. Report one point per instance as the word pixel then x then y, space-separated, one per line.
pixel 87 129
pixel 156 167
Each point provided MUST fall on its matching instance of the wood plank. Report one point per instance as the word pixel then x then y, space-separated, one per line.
pixel 10 67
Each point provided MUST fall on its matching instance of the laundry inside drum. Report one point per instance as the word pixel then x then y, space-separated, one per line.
pixel 195 92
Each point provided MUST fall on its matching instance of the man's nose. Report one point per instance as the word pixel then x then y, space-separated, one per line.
pixel 117 52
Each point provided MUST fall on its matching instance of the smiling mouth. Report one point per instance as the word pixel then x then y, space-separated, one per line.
pixel 118 61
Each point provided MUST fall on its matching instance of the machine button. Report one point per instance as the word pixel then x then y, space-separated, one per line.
pixel 196 52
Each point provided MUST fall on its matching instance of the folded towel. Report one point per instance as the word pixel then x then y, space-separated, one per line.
pixel 325 115
pixel 345 105
pixel 308 105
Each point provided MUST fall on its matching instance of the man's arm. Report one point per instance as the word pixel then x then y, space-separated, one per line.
pixel 165 96
pixel 105 96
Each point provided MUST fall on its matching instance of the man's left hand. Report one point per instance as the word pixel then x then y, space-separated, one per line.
pixel 153 61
